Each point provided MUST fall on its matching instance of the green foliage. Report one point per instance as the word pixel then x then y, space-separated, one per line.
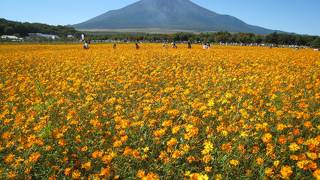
pixel 316 43
pixel 224 37
pixel 22 29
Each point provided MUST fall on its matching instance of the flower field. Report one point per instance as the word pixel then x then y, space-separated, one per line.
pixel 154 113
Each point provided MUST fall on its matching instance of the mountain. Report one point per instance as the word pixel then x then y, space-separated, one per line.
pixel 181 15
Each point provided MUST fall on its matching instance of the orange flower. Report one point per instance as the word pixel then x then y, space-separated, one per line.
pixel 316 174
pixel 308 124
pixel 286 172
pixel 67 171
pixel 34 157
pixel 296 132
pixel 259 161
pixel 176 154
pixel 105 171
pixel 172 142
pixel 282 139
pixel 9 158
pixel 97 154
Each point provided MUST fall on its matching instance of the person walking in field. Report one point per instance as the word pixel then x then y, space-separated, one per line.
pixel 137 46
pixel 189 45
pixel 86 45
pixel 82 37
pixel 114 46
pixel 165 45
pixel 205 46
pixel 174 46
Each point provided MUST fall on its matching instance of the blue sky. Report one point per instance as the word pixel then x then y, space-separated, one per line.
pixel 299 16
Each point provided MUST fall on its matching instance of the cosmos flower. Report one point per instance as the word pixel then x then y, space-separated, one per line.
pixel 228 112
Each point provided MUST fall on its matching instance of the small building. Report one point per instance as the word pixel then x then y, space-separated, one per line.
pixel 70 36
pixel 46 36
pixel 11 38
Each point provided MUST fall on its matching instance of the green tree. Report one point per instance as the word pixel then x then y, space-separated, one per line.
pixel 8 30
pixel 316 43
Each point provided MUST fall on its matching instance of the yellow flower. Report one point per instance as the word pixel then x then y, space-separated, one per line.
pixel 167 123
pixel 86 166
pixel 276 163
pixel 203 177
pixel 208 147
pixel 312 156
pixel 146 149
pixel 211 103
pixel 159 133
pixel 259 161
pixel 76 174
pixel 141 174
pixel 85 148
pixel 175 129
pixel 191 131
pixel 294 147
pixel 117 144
pixel 267 138
pixel 281 127
pixel 198 176
pixel 268 172
pixel 207 158
pixel 208 169
pixel 234 162
pixel 286 172
pixel 12 175
pixel 218 177
pixel 173 112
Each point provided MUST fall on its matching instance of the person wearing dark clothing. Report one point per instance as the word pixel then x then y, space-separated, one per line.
pixel 114 46
pixel 189 45
pixel 86 45
pixel 137 46
pixel 174 45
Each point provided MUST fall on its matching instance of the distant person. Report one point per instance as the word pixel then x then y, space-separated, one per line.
pixel 174 46
pixel 86 45
pixel 137 46
pixel 205 46
pixel 82 37
pixel 189 45
pixel 208 44
pixel 165 45
pixel 114 46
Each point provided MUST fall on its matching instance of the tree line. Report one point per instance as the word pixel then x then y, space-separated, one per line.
pixel 22 29
pixel 215 37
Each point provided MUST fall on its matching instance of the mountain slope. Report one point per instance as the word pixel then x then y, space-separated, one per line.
pixel 169 14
